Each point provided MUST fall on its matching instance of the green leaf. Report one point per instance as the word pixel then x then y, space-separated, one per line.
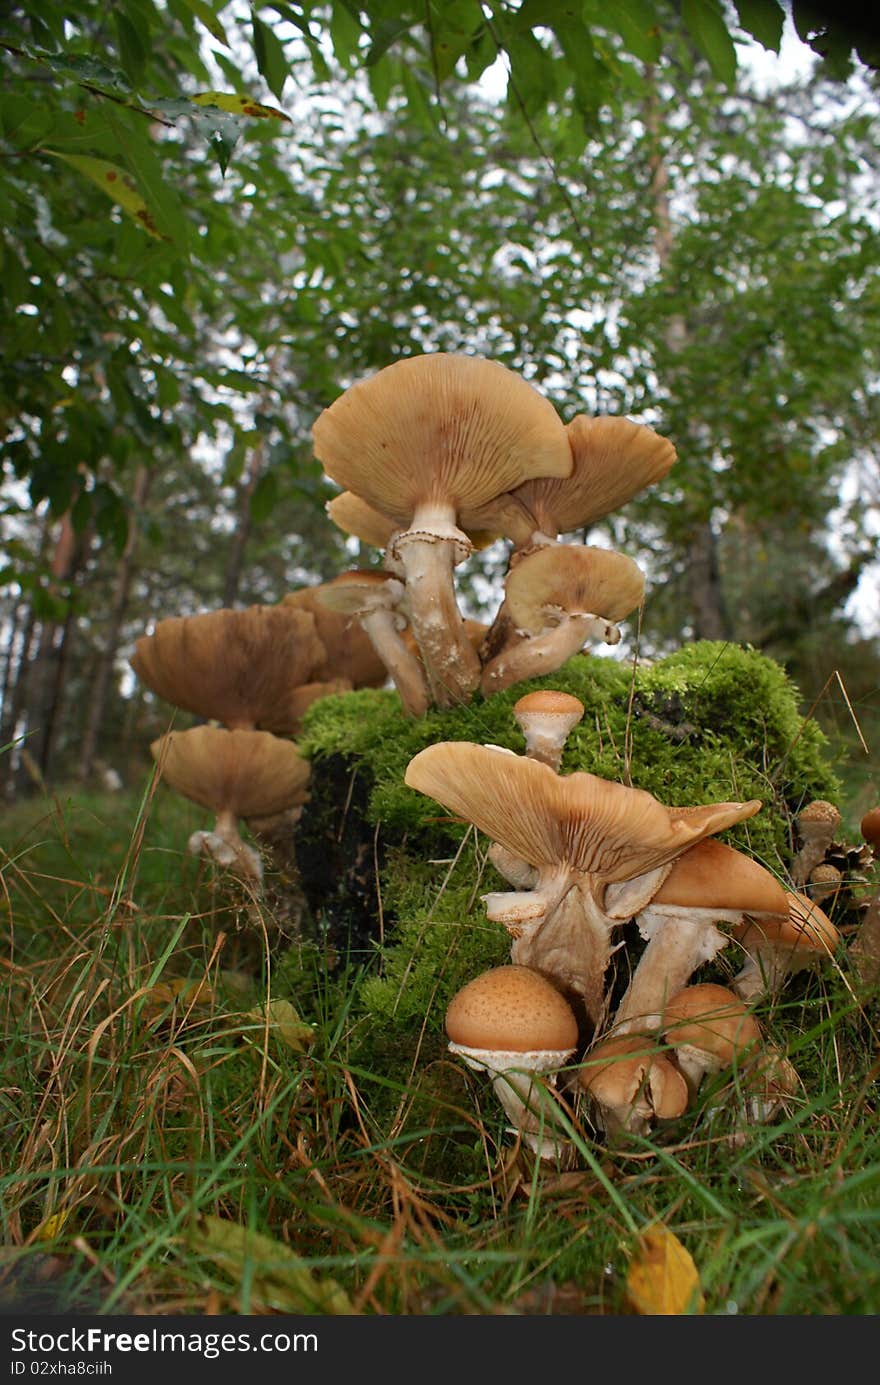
pixel 132 49
pixel 205 14
pixel 345 33
pixel 269 53
pixel 705 23
pixel 24 123
pixel 117 184
pixel 764 20
pixel 265 497
pixel 144 166
pixel 637 24
pixel 383 34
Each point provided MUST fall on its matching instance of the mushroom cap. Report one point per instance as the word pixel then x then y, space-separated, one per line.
pixel 614 459
pixel 439 429
pixel 354 516
pixel 547 702
pixel 248 773
pixel 511 1009
pixel 711 1019
pixel 804 929
pixel 556 579
pixel 818 819
pixel 349 652
pixel 591 825
pixel 361 589
pixel 712 875
pixel 870 827
pixel 233 666
pixel 621 1068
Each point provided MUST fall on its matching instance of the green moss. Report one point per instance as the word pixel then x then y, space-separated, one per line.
pixel 711 723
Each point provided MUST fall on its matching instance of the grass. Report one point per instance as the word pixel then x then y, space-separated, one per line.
pixel 170 1144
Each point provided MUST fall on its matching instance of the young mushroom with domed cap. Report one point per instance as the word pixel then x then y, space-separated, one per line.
pixel 708 884
pixel 423 441
pixel 710 1028
pixel 776 947
pixel 237 775
pixel 512 1023
pixel 817 824
pixel 556 598
pixel 580 833
pixel 633 1084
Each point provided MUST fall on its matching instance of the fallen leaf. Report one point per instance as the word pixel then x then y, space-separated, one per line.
pixel 284 1023
pixel 662 1277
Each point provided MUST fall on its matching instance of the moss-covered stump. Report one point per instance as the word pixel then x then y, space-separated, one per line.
pixel 390 875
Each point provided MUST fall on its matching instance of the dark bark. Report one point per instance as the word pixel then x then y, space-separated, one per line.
pixel 119 605
pixel 710 620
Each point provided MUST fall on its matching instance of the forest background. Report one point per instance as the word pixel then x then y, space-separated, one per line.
pixel 606 199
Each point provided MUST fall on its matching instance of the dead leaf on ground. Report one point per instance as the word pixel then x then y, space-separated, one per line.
pixel 662 1277
pixel 282 1021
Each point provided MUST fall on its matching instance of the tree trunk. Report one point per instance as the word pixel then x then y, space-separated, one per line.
pixel 242 530
pixel 46 673
pixel 704 588
pixel 710 620
pixel 119 605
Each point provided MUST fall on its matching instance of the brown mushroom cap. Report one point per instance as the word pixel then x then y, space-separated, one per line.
pixel 439 428
pixel 249 774
pixel 553 580
pixel 354 516
pixel 614 459
pixel 592 825
pixel 870 827
pixel 348 650
pixel 805 930
pixel 819 819
pixel 630 1068
pixel 712 875
pixel 233 666
pixel 547 702
pixel 511 1009
pixel 711 1019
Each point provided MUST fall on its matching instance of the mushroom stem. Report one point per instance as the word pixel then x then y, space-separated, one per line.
pixel 225 846
pixel 404 668
pixel 428 552
pixel 678 944
pixel 522 1083
pixel 535 655
pixel 515 870
pixel 571 947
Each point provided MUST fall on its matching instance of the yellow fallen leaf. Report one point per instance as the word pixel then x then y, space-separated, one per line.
pixel 182 991
pixel 239 105
pixel 117 184
pixel 662 1277
pixel 48 1229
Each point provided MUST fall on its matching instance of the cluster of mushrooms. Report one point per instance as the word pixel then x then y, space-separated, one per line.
pixel 250 675
pixel 585 856
pixel 435 457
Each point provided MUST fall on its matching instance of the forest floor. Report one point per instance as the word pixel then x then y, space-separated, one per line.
pixel 187 1126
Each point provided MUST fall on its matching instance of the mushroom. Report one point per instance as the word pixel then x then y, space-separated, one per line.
pixel 239 667
pixel 579 832
pixel 708 884
pixel 865 949
pixel 614 459
pixel 816 826
pixel 546 719
pixel 824 883
pixel 776 947
pixel 348 651
pixel 633 1084
pixel 512 1023
pixel 374 598
pixel 870 828
pixel 557 597
pixel 236 774
pixel 423 441
pixel 710 1028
